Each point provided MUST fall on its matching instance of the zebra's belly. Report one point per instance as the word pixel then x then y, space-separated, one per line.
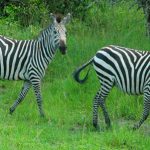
pixel 13 77
pixel 13 69
pixel 12 74
pixel 128 84
pixel 130 87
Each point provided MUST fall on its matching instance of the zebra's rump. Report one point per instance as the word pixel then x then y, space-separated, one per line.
pixel 127 68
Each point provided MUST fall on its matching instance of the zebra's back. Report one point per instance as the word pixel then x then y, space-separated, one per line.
pixel 14 58
pixel 127 68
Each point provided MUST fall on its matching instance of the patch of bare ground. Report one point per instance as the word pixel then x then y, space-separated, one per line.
pixel 145 128
pixel 78 127
pixel 122 122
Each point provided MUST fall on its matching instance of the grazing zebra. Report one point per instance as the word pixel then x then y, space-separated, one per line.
pixel 28 59
pixel 126 68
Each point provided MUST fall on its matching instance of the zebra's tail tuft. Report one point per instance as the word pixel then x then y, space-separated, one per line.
pixel 76 73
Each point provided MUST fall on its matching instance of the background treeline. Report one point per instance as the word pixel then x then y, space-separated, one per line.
pixel 28 12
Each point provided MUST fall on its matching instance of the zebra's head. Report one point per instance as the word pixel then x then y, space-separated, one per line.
pixel 59 31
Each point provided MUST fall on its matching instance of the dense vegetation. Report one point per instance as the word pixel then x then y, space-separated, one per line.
pixel 68 105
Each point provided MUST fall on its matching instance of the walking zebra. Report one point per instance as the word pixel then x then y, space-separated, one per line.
pixel 126 68
pixel 28 59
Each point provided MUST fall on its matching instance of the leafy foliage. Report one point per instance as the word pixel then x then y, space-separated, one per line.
pixel 28 12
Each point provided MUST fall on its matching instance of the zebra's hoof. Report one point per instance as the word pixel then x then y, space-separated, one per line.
pixel 42 115
pixel 108 127
pixel 108 123
pixel 11 111
pixel 135 127
pixel 96 126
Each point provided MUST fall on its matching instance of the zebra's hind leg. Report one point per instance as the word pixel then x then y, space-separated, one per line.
pixel 21 96
pixel 145 111
pixel 37 90
pixel 99 101
pixel 106 116
pixel 95 111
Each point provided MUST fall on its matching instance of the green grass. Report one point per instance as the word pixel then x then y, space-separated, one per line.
pixel 68 105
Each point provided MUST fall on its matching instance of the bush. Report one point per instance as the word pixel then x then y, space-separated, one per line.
pixel 27 13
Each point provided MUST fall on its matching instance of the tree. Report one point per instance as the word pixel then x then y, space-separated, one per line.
pixel 145 5
pixel 4 3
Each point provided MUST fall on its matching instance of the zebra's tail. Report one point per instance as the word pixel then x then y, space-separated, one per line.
pixel 76 73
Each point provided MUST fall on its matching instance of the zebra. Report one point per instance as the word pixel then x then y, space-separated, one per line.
pixel 27 60
pixel 128 69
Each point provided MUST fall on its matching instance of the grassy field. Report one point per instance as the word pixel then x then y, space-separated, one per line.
pixel 68 105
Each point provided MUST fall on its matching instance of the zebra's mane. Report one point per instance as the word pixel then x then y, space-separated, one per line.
pixel 45 32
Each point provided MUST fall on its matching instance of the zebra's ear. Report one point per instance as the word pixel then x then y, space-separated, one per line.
pixel 52 16
pixel 66 19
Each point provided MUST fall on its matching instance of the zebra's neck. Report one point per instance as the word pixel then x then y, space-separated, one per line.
pixel 47 45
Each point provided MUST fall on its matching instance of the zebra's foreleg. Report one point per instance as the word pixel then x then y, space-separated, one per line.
pixel 21 96
pixel 145 112
pixel 37 90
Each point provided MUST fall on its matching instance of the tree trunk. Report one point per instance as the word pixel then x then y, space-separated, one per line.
pixel 147 14
pixel 145 4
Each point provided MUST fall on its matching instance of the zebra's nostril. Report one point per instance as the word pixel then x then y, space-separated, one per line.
pixel 63 49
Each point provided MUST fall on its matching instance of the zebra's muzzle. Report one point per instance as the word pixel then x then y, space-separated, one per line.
pixel 63 49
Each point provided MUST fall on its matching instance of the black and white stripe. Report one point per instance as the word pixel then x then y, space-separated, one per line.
pixel 28 59
pixel 126 68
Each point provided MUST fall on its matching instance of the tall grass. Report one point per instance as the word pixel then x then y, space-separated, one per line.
pixel 68 105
